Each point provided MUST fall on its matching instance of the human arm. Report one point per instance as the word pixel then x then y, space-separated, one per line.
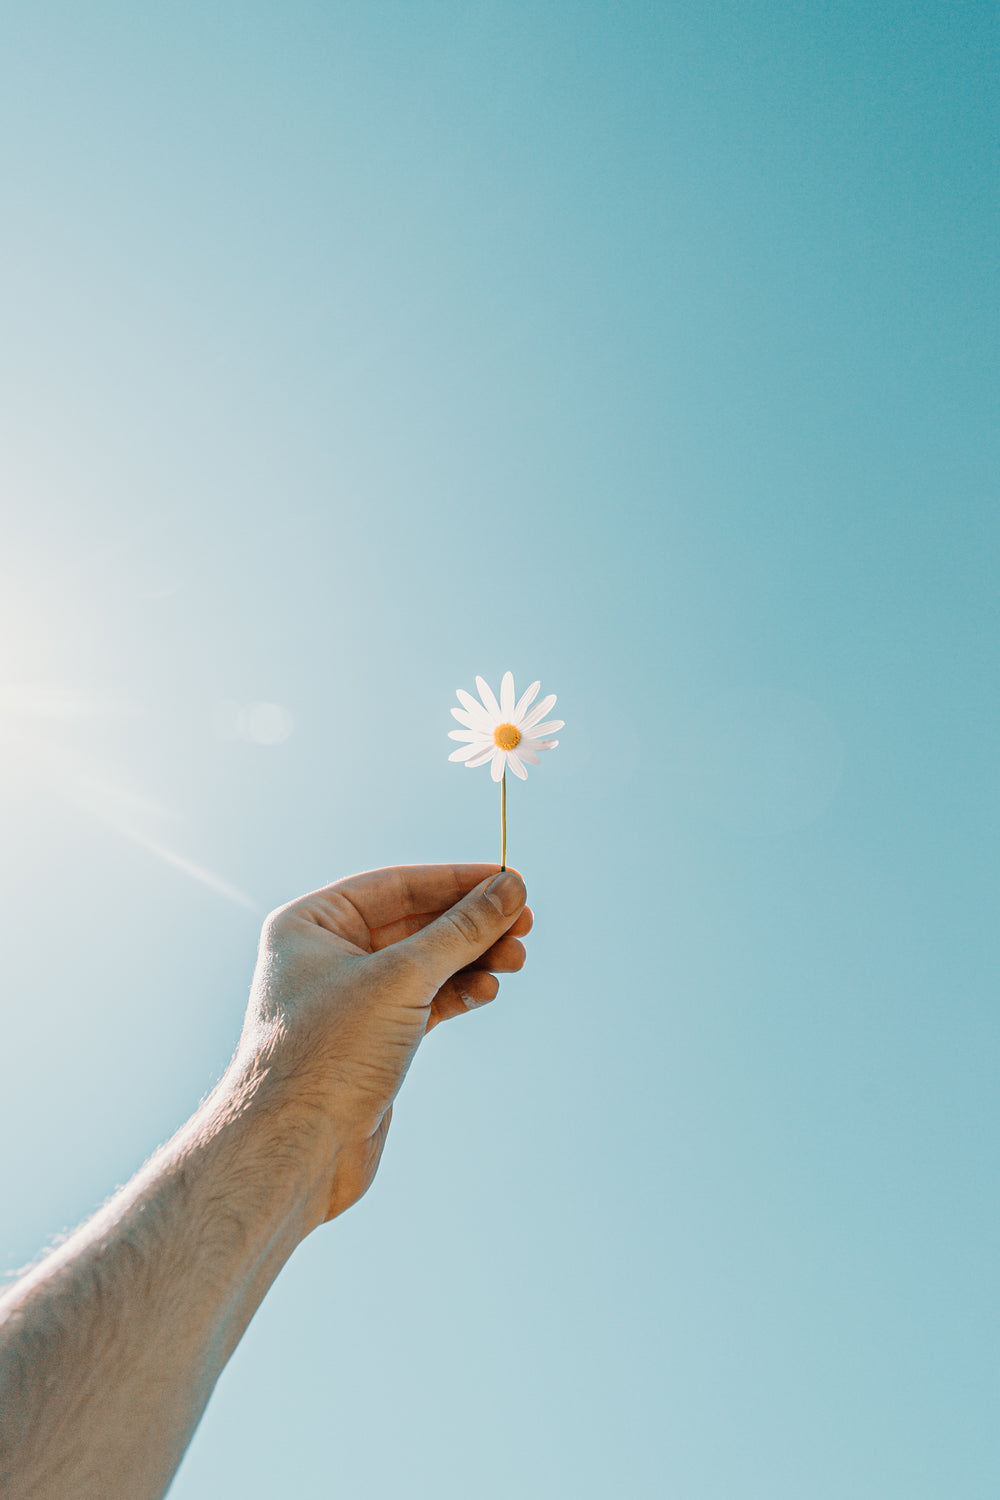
pixel 110 1348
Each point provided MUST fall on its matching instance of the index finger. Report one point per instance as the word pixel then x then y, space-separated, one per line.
pixel 399 891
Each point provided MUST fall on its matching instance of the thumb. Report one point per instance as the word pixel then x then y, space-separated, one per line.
pixel 468 928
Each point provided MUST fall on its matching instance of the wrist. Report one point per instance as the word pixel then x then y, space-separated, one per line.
pixel 248 1136
pixel 277 1125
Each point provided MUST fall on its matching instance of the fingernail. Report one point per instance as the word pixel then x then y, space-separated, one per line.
pixel 506 892
pixel 470 1002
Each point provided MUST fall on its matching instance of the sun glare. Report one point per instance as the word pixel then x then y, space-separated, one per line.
pixel 39 743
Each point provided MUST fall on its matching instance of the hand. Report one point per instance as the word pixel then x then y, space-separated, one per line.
pixel 348 981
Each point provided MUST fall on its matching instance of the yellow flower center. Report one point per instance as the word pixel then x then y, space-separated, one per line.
pixel 506 737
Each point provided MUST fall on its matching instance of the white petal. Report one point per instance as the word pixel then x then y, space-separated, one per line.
pixel 539 731
pixel 546 744
pixel 463 752
pixel 526 752
pixel 469 720
pixel 499 762
pixel 473 705
pixel 486 693
pixel 481 757
pixel 467 735
pixel 525 701
pixel 507 695
pixel 517 764
pixel 538 712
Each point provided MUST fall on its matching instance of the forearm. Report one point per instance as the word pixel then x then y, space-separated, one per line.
pixel 109 1349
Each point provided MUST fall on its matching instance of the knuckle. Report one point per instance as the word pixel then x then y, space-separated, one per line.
pixel 272 924
pixel 278 922
pixel 467 925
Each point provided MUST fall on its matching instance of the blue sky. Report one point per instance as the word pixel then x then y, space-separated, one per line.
pixel 350 350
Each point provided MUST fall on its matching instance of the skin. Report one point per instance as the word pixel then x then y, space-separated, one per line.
pixel 110 1348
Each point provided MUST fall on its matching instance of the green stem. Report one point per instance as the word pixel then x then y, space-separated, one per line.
pixel 503 820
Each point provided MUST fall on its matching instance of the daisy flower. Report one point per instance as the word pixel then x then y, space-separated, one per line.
pixel 507 733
